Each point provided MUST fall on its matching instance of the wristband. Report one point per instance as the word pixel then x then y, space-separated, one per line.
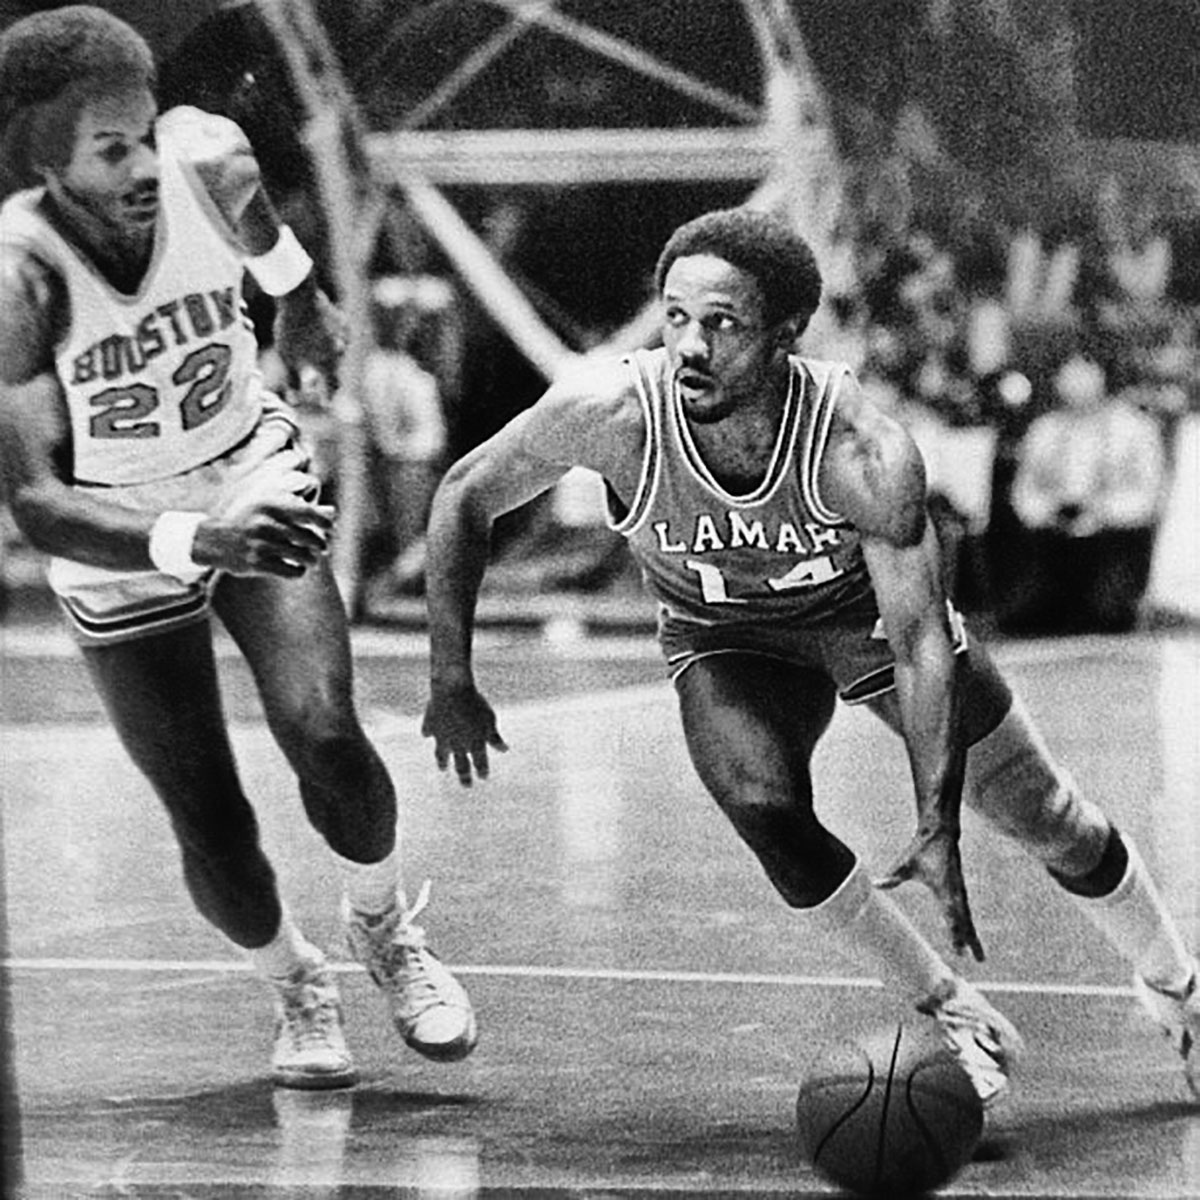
pixel 171 540
pixel 284 267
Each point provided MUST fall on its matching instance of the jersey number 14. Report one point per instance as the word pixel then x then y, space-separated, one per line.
pixel 807 573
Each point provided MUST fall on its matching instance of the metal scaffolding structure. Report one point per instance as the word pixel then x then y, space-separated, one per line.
pixel 781 147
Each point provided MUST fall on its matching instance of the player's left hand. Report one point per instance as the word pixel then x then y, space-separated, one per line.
pixel 463 727
pixel 932 858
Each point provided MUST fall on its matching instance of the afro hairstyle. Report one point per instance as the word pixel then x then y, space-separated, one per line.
pixel 79 47
pixel 764 246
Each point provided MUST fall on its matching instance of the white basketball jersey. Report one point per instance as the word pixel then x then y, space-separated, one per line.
pixel 166 379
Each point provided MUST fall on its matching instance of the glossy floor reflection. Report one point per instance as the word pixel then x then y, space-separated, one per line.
pixel 646 1005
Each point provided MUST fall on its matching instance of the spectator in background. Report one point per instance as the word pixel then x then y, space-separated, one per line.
pixel 1137 250
pixel 307 392
pixel 1087 491
pixel 402 405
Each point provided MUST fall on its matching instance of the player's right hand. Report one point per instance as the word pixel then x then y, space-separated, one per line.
pixel 265 525
pixel 463 726
pixel 932 858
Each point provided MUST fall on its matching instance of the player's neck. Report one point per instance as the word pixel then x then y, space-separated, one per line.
pixel 121 256
pixel 758 412
pixel 739 448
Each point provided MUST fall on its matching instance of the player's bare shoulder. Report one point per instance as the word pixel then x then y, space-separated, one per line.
pixel 592 415
pixel 872 472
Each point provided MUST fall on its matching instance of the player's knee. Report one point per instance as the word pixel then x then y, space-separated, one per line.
pixel 1104 876
pixel 794 849
pixel 1015 784
pixel 323 743
pixel 766 814
pixel 340 761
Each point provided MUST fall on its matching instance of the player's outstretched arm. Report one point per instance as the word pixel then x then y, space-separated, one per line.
pixel 523 460
pixel 494 478
pixel 878 482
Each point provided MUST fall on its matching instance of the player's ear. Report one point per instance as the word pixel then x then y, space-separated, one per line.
pixel 786 333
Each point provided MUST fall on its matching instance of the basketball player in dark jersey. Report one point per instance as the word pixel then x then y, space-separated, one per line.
pixel 142 454
pixel 780 521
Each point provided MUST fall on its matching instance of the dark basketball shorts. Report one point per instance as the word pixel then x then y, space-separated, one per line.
pixel 852 651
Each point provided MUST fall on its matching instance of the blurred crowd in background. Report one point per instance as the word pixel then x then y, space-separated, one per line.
pixel 1074 352
pixel 1044 373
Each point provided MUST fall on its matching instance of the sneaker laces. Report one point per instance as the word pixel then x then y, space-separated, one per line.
pixel 1173 1014
pixel 1187 1043
pixel 407 915
pixel 973 1038
pixel 953 1014
pixel 1178 995
pixel 394 925
pixel 309 1013
pixel 405 956
pixel 1177 1014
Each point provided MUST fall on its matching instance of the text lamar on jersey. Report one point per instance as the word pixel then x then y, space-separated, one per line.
pixel 733 531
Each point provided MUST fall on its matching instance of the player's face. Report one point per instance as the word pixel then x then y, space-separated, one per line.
pixel 722 351
pixel 112 172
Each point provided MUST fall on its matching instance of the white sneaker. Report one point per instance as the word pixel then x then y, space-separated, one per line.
pixel 985 1042
pixel 1179 1016
pixel 310 1047
pixel 429 1007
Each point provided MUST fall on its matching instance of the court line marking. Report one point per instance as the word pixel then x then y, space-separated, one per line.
pixel 517 971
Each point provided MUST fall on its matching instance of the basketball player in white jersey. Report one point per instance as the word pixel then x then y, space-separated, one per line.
pixel 141 454
pixel 779 520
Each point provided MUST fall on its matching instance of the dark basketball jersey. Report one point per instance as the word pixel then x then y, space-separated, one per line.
pixel 713 557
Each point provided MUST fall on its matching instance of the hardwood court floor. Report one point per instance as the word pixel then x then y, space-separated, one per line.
pixel 647 1006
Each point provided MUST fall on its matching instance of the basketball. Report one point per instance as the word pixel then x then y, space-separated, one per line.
pixel 889 1114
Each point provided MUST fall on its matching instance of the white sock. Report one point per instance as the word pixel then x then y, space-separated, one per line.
pixel 880 935
pixel 372 888
pixel 1136 922
pixel 288 950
